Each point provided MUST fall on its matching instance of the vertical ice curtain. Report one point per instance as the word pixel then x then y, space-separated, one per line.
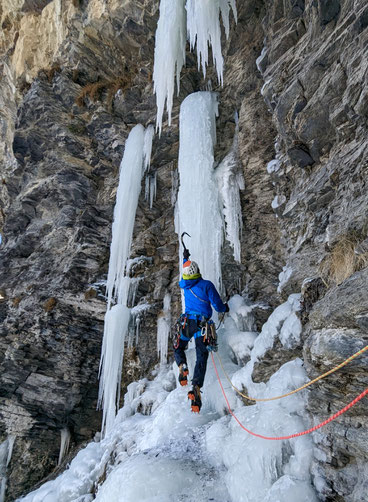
pixel 137 149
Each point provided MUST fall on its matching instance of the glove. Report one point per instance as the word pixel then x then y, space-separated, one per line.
pixel 186 254
pixel 227 308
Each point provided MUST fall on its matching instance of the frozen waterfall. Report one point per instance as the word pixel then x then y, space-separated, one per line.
pixel 198 208
pixel 137 152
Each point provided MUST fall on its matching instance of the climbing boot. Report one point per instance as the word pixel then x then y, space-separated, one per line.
pixel 195 396
pixel 183 374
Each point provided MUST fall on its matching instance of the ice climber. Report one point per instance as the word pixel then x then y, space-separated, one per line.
pixel 199 295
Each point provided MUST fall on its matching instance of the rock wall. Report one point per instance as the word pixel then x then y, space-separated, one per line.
pixel 76 77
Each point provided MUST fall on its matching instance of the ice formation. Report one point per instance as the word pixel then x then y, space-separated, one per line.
pixel 206 456
pixel 230 180
pixel 284 276
pixel 204 30
pixel 6 451
pixel 169 55
pixel 201 20
pixel 163 329
pixel 151 188
pixel 137 148
pixel 124 213
pixel 198 208
pixel 64 444
pixel 147 146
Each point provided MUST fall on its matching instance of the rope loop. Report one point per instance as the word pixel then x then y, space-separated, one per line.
pixel 290 436
pixel 344 363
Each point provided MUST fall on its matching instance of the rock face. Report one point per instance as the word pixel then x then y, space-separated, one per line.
pixel 76 77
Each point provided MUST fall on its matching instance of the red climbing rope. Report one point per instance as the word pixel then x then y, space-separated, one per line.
pixel 340 412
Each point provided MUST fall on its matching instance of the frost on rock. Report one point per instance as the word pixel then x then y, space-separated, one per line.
pixel 273 166
pixel 284 276
pixel 169 55
pixel 278 201
pixel 230 181
pixel 198 207
pixel 204 30
pixel 262 58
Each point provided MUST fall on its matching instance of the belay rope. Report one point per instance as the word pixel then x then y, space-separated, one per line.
pixel 348 360
pixel 312 429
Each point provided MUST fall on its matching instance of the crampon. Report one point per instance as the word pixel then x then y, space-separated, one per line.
pixel 183 374
pixel 195 396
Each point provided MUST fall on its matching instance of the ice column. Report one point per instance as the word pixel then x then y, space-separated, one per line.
pixel 204 29
pixel 198 210
pixel 230 181
pixel 137 148
pixel 163 329
pixel 169 54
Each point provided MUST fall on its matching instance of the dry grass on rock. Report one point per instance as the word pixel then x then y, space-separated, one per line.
pixel 346 258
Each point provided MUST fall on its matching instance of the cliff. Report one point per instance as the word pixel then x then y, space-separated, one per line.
pixel 76 75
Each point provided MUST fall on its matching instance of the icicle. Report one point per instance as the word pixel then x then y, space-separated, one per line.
pixel 124 213
pixel 151 188
pixel 198 209
pixel 169 55
pixel 147 146
pixel 203 21
pixel 64 444
pixel 163 329
pixel 230 181
pixel 6 451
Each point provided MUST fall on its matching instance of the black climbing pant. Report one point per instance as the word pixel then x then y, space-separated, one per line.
pixel 201 362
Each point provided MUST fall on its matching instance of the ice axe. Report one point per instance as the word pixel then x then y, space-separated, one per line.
pixel 182 240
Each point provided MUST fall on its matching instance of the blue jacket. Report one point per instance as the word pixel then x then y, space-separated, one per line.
pixel 199 301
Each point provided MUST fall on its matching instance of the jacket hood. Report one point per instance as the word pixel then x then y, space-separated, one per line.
pixel 188 283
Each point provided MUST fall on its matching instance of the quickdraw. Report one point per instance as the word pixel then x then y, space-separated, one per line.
pixel 210 336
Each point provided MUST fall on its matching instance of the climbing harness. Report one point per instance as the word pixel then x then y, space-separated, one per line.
pixel 206 327
pixel 344 363
pixel 308 431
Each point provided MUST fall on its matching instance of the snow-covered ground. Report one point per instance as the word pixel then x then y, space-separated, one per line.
pixel 158 451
